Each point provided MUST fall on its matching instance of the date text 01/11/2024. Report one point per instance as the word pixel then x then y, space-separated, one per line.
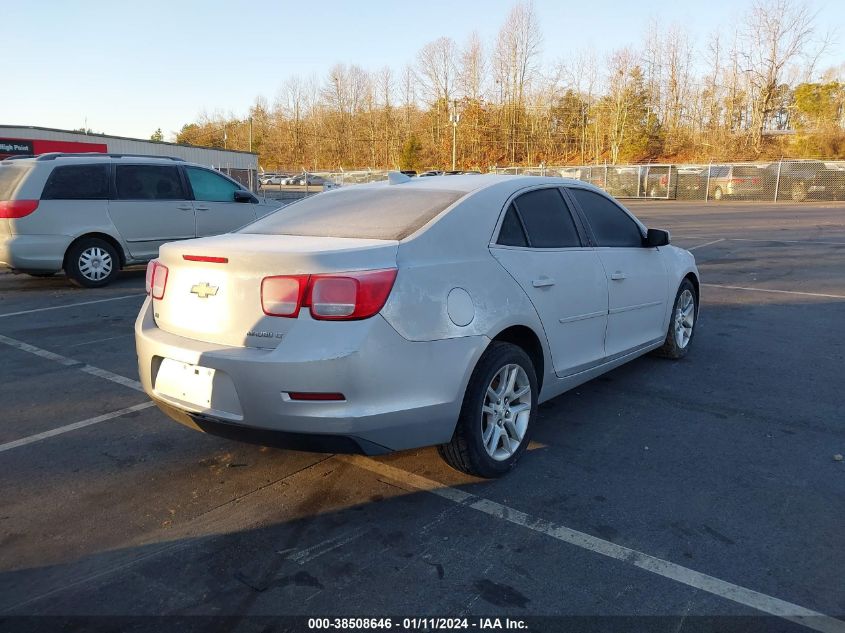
pixel 416 624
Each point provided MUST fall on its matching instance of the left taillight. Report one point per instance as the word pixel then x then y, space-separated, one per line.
pixel 333 297
pixel 156 282
pixel 13 209
pixel 350 296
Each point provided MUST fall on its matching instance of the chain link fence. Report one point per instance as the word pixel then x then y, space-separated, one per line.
pixel 286 186
pixel 783 180
pixel 778 181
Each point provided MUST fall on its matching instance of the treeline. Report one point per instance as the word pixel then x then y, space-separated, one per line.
pixel 749 93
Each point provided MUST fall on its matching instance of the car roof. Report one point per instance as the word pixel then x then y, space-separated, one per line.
pixel 95 157
pixel 467 183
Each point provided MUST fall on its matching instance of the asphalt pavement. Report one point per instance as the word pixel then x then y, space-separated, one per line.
pixel 654 496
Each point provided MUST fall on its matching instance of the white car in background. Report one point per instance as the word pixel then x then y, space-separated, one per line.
pixel 428 311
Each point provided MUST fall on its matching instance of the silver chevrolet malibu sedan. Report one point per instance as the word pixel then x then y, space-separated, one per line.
pixel 437 311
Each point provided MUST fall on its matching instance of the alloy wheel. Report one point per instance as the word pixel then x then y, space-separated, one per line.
pixel 684 318
pixel 506 412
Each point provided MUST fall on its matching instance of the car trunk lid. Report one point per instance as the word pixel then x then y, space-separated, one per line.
pixel 213 287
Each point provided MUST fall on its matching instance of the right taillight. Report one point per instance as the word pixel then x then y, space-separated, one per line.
pixel 13 209
pixel 333 297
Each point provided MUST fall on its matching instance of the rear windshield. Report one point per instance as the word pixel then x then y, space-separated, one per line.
pixel 11 176
pixel 389 213
pixel 747 171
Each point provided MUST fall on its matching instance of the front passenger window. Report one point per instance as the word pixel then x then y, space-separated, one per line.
pixel 211 187
pixel 611 225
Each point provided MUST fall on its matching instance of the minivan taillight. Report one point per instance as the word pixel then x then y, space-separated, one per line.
pixel 156 279
pixel 332 297
pixel 12 209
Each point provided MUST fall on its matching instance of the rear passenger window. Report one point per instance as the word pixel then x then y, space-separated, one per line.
pixel 148 182
pixel 611 225
pixel 547 219
pixel 511 233
pixel 77 182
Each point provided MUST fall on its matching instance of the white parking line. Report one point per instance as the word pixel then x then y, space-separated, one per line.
pixel 324 547
pixel 823 243
pixel 72 427
pixel 749 239
pixel 692 248
pixel 70 305
pixel 710 584
pixel 783 292
pixel 70 362
pixel 101 340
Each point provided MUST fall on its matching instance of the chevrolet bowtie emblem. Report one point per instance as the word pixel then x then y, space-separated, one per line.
pixel 204 290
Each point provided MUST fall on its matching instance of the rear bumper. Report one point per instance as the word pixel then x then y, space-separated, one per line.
pixel 33 253
pixel 744 191
pixel 399 394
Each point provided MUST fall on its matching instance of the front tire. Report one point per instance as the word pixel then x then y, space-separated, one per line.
pixel 497 415
pixel 92 263
pixel 799 192
pixel 681 323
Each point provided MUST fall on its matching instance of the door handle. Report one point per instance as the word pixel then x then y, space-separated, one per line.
pixel 618 276
pixel 543 282
pixel 201 208
pixel 185 207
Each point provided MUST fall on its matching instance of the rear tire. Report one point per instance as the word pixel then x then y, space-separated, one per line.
pixel 497 415
pixel 92 263
pixel 718 195
pixel 681 323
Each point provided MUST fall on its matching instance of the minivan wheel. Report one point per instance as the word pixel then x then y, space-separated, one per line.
pixel 799 192
pixel 718 195
pixel 92 263
pixel 681 323
pixel 497 414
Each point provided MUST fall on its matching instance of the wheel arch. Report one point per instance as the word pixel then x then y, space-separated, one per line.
pixel 692 277
pixel 118 247
pixel 525 338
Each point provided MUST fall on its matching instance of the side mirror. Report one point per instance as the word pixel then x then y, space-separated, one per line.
pixel 657 237
pixel 243 196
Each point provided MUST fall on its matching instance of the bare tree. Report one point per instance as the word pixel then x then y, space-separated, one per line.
pixel 515 60
pixel 472 69
pixel 776 33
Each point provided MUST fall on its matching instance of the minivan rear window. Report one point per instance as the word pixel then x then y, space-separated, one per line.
pixel 389 213
pixel 11 175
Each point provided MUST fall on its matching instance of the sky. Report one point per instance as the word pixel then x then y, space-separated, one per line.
pixel 128 68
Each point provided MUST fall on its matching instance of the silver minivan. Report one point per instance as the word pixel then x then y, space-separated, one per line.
pixel 92 214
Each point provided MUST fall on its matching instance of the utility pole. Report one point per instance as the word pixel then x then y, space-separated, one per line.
pixel 250 134
pixel 454 117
